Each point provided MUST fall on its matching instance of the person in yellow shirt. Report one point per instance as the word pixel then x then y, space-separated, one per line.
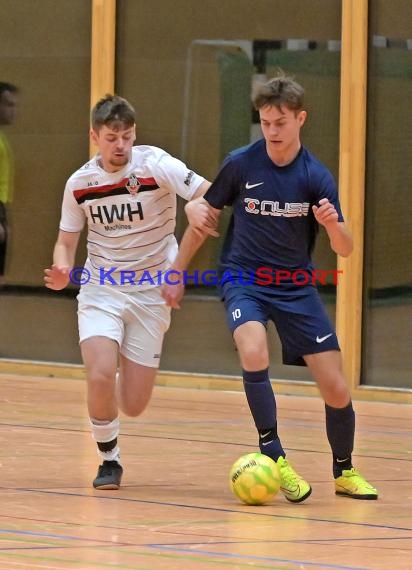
pixel 8 106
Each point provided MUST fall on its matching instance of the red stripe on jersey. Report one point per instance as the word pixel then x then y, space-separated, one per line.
pixel 81 193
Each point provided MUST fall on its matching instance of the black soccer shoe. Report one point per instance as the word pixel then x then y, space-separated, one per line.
pixel 108 476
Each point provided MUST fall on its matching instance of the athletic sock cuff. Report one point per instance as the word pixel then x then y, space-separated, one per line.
pixel 104 433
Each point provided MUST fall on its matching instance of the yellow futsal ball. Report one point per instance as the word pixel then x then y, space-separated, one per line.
pixel 254 478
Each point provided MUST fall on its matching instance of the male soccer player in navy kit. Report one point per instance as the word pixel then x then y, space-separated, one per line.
pixel 280 194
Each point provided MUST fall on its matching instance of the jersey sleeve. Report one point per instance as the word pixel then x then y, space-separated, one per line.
pixel 225 186
pixel 73 217
pixel 327 188
pixel 175 175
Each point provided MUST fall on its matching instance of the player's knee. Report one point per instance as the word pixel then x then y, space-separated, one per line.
pixel 338 394
pixel 133 401
pixel 134 408
pixel 254 357
pixel 101 380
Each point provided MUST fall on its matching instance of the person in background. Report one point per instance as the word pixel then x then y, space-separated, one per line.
pixel 8 107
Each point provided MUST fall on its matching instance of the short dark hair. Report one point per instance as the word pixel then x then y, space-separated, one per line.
pixel 280 91
pixel 112 111
pixel 4 86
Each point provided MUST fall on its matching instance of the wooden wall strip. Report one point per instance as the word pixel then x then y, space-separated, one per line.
pixel 352 180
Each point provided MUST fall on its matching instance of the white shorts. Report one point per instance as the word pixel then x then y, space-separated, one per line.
pixel 137 321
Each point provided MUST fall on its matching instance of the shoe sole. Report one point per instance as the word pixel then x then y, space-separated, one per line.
pixel 359 497
pixel 301 499
pixel 108 487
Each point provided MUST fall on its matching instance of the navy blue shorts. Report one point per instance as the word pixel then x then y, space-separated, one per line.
pixel 301 321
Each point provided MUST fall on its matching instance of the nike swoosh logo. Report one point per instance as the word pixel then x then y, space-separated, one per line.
pixel 266 442
pixel 290 492
pixel 249 186
pixel 323 338
pixel 262 435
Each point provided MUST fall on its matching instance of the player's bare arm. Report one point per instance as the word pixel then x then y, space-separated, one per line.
pixel 57 276
pixel 202 217
pixel 340 237
pixel 191 242
pixel 201 191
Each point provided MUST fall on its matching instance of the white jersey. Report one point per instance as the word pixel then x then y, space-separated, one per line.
pixel 131 216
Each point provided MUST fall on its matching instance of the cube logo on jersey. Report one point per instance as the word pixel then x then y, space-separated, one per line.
pixel 133 185
pixel 271 208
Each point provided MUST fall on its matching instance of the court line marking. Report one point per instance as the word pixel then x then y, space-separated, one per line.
pixel 237 444
pixel 204 508
pixel 302 563
pixel 162 547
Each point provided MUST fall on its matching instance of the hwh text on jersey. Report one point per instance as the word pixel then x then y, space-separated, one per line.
pixel 117 212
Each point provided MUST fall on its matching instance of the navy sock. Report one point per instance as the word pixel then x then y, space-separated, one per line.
pixel 340 429
pixel 262 404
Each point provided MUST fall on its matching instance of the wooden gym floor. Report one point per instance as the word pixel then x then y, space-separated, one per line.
pixel 175 509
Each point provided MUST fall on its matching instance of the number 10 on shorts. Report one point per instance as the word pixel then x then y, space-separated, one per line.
pixel 236 314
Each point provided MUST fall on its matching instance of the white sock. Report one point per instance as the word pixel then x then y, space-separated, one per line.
pixel 106 431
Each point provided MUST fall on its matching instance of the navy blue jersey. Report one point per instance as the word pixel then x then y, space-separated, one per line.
pixel 272 224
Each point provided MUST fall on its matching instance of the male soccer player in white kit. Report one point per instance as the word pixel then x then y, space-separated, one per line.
pixel 127 196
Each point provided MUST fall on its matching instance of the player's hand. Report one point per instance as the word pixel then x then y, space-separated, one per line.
pixel 56 278
pixel 172 293
pixel 201 218
pixel 325 213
